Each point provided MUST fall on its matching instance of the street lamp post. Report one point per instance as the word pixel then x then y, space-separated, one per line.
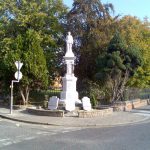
pixel 18 76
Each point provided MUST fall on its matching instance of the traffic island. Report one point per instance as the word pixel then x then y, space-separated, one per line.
pixel 44 112
pixel 80 113
pixel 95 113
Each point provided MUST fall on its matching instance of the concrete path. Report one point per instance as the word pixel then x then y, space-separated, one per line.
pixel 115 119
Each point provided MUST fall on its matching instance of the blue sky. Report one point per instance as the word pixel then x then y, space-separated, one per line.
pixel 139 8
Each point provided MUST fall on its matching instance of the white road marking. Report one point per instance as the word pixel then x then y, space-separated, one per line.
pixel 141 112
pixel 20 138
pixel 30 138
pixel 7 143
pixel 17 139
pixel 42 133
pixel 1 140
pixel 65 131
pixel 18 125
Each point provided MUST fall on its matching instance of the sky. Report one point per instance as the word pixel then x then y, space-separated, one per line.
pixel 139 8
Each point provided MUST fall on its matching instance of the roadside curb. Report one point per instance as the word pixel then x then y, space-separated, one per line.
pixel 75 125
pixel 26 121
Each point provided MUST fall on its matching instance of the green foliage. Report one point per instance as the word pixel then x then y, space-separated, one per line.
pixel 90 23
pixel 34 69
pixel 117 65
pixel 117 43
pixel 91 90
pixel 30 31
pixel 137 33
pixel 41 95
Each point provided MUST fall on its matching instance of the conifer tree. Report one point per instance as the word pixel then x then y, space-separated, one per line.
pixel 117 66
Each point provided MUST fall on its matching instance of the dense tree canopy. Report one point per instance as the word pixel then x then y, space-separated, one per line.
pixel 30 31
pixel 116 66
pixel 116 49
pixel 138 33
pixel 92 27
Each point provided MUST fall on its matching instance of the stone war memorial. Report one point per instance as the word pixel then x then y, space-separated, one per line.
pixel 86 104
pixel 53 103
pixel 69 95
pixel 69 98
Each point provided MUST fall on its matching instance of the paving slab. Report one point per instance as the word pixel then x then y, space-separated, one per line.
pixel 117 118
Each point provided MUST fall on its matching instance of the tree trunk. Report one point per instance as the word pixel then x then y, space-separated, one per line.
pixel 119 86
pixel 25 95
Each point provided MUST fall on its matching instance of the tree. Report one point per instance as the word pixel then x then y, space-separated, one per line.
pixel 35 69
pixel 138 33
pixel 30 31
pixel 92 26
pixel 116 66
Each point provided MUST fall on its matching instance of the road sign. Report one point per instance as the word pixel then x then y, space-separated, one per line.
pixel 18 75
pixel 18 65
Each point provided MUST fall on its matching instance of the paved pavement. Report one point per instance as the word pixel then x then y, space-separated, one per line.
pixel 115 119
pixel 145 110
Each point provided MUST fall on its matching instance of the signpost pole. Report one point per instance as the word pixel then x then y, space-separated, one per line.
pixel 18 76
pixel 11 98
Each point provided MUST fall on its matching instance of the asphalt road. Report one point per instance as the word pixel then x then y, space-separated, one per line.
pixel 19 136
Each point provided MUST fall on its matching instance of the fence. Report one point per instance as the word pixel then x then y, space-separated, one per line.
pixel 134 93
pixel 55 92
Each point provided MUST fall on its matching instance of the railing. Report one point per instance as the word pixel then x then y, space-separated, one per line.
pixel 54 92
pixel 134 93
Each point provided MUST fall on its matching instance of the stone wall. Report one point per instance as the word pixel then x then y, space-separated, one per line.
pixel 95 113
pixel 42 112
pixel 129 105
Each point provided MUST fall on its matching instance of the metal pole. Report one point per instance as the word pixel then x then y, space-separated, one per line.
pixel 18 78
pixel 11 100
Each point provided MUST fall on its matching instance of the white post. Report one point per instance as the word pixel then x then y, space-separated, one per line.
pixel 11 98
pixel 18 76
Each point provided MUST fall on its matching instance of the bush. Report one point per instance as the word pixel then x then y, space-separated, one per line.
pixel 38 97
pixel 89 89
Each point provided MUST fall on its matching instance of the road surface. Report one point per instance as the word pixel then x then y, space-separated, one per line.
pixel 20 136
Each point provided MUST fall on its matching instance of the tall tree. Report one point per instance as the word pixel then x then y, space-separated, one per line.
pixel 92 26
pixel 138 33
pixel 117 65
pixel 31 31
